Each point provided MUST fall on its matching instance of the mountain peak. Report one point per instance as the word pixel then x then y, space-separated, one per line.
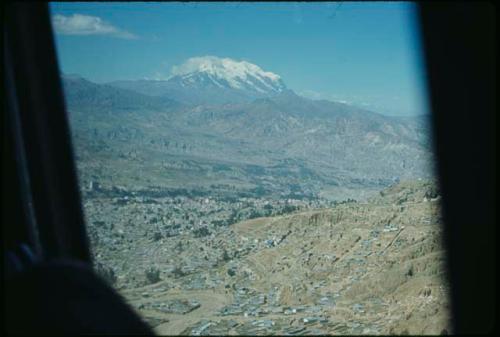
pixel 226 73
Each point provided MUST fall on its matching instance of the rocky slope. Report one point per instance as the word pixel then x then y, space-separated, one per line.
pixel 357 268
pixel 279 145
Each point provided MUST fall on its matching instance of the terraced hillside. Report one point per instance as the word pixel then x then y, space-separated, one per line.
pixel 356 268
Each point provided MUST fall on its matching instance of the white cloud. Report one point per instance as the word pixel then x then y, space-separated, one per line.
pixel 387 105
pixel 157 76
pixel 78 24
pixel 345 99
pixel 311 94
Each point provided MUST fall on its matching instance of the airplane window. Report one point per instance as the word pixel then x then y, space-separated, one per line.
pixel 257 168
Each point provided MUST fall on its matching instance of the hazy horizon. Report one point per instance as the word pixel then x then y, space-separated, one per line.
pixel 363 54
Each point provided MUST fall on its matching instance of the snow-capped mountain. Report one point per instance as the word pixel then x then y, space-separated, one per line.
pixel 262 142
pixel 226 73
pixel 210 79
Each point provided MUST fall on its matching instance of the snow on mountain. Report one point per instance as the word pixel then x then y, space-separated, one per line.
pixel 211 80
pixel 226 73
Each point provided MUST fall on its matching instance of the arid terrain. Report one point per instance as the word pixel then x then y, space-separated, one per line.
pixel 217 206
pixel 375 267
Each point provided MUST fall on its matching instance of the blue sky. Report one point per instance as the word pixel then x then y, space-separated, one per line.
pixel 365 54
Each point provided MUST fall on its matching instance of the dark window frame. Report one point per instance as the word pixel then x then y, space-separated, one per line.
pixel 460 53
pixel 37 115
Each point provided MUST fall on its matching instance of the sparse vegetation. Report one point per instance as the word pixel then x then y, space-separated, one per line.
pixel 178 272
pixel 225 256
pixel 201 232
pixel 152 275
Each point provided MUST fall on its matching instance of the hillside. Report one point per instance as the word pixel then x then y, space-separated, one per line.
pixel 218 201
pixel 279 145
pixel 356 268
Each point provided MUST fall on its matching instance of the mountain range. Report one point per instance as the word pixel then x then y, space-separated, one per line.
pixel 210 79
pixel 231 125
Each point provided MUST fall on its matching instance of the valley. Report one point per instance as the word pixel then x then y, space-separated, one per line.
pixel 220 202
pixel 352 268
